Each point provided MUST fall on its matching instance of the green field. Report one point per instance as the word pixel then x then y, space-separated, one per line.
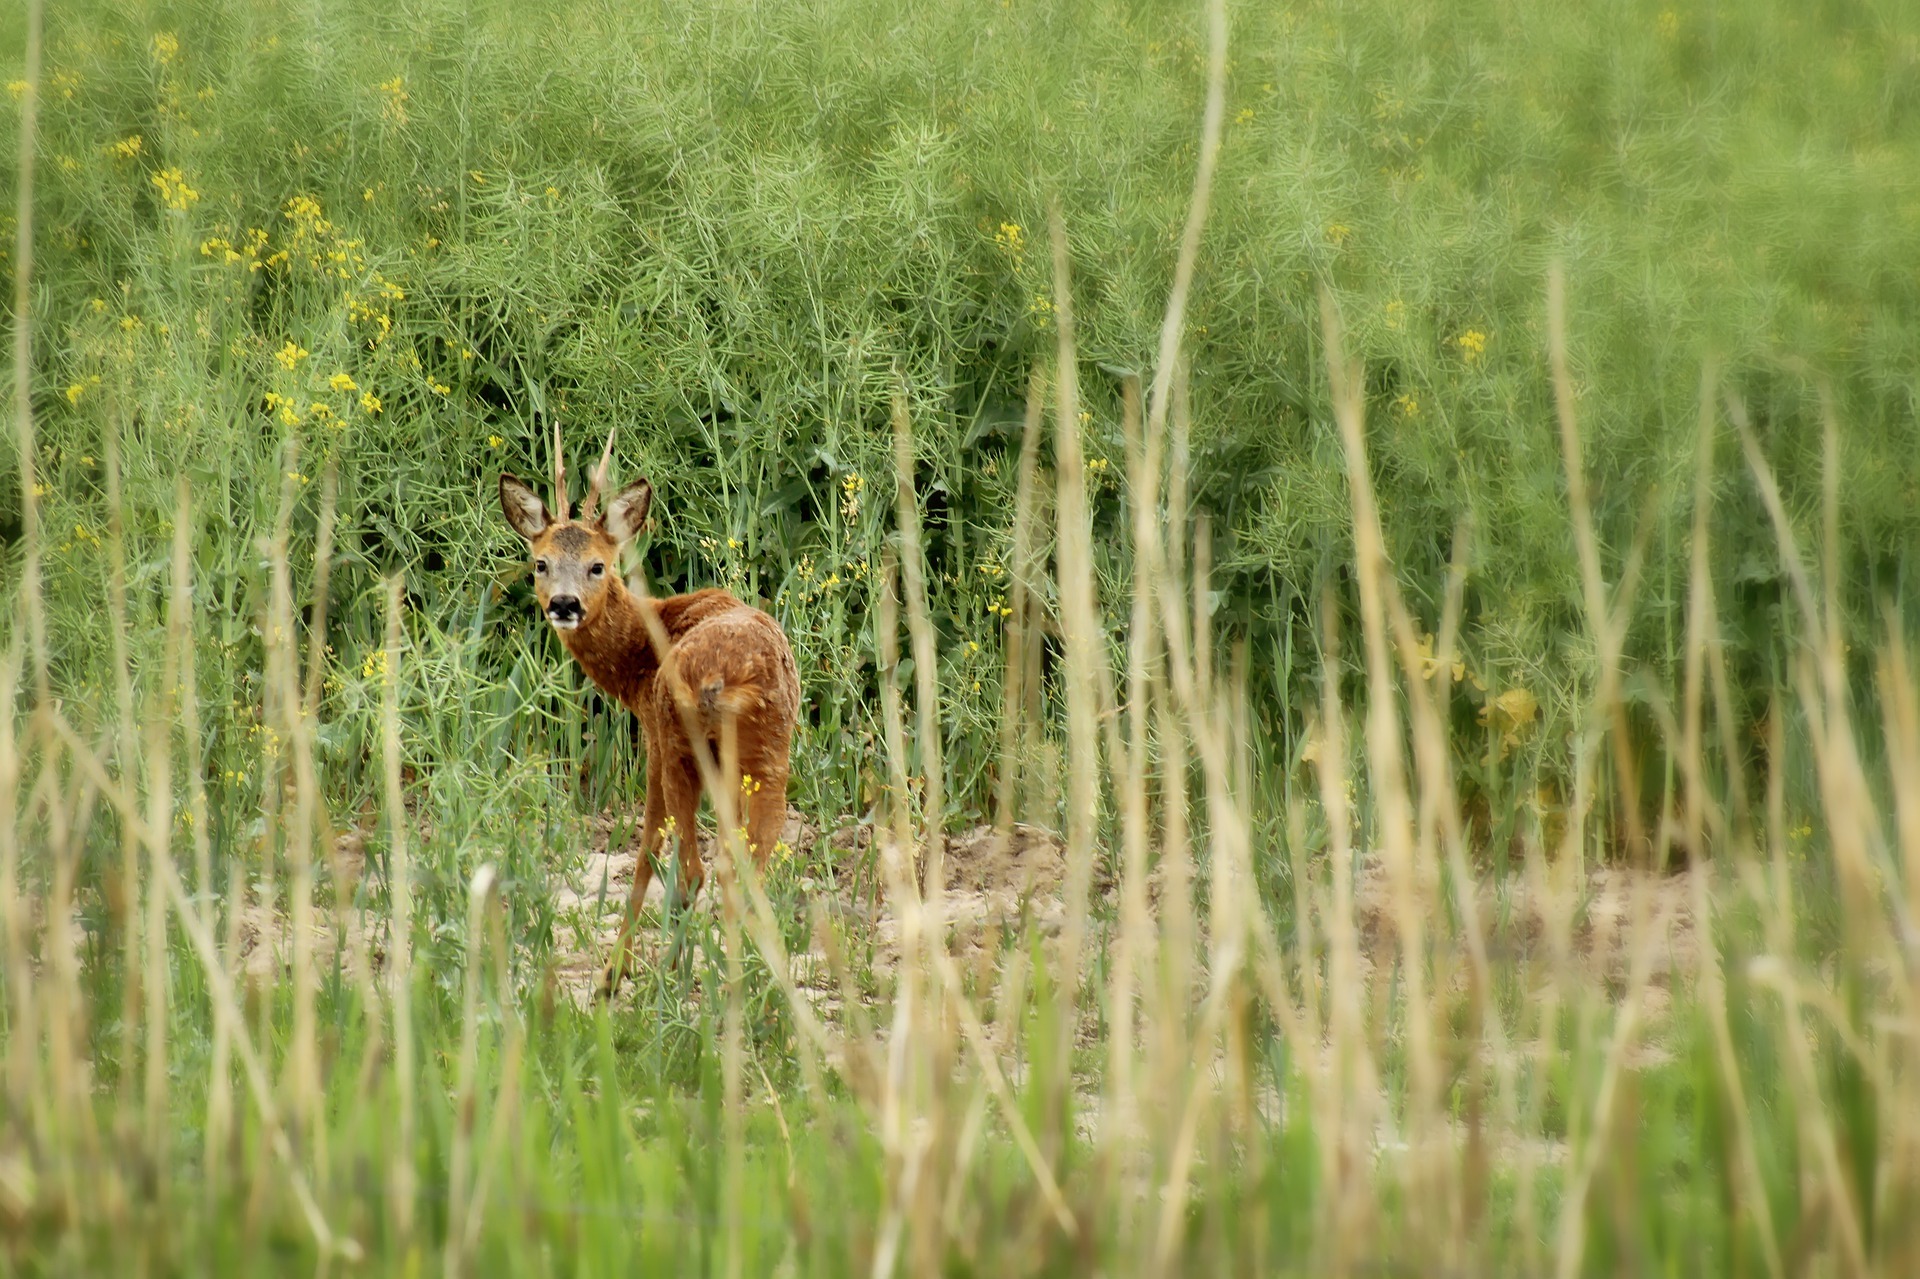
pixel 1368 541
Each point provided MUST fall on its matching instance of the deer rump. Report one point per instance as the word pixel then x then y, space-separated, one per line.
pixel 726 662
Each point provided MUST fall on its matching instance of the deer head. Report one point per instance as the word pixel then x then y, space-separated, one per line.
pixel 573 559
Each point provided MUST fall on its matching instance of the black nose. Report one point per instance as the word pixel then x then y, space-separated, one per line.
pixel 564 608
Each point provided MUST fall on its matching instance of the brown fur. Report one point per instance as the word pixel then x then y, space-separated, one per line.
pixel 724 662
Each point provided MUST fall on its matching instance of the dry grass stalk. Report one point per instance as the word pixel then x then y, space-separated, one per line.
pixel 401 1172
pixel 1085 654
pixel 30 549
pixel 1702 636
pixel 1019 718
pixel 926 670
pixel 1411 903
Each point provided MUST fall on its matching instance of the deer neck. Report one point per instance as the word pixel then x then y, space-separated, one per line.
pixel 613 647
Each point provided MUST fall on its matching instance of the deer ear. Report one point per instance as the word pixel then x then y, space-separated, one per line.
pixel 628 510
pixel 523 507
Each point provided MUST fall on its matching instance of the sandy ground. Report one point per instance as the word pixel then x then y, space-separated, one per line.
pixel 1587 935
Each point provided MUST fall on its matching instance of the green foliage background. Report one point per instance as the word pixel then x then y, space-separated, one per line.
pixel 729 229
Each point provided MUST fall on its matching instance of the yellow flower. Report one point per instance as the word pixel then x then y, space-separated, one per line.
pixel 1512 714
pixel 1396 315
pixel 1245 116
pixel 494 441
pixel 1667 24
pixel 126 148
pixel 290 355
pixel 174 191
pixel 1472 344
pixel 370 402
pixel 342 382
pixel 438 388
pixel 1337 233
pixel 75 391
pixel 375 664
pixel 18 88
pixel 1408 405
pixel 166 46
pixel 1012 239
pixel 850 496
pixel 297 478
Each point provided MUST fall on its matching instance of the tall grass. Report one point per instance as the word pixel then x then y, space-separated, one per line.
pixel 1395 976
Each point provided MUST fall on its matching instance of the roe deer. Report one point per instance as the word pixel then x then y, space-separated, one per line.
pixel 707 666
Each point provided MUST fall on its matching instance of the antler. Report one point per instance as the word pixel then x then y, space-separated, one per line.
pixel 599 480
pixel 560 506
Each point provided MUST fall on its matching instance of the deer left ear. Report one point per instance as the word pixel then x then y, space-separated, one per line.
pixel 628 510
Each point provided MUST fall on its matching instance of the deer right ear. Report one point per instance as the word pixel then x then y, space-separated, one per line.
pixel 523 507
pixel 628 510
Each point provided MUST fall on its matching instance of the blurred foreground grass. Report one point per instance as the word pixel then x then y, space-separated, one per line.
pixel 1369 699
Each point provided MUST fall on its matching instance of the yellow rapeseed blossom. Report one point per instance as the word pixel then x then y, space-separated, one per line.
pixel 290 355
pixel 18 88
pixel 1472 344
pixel 1667 24
pixel 1245 116
pixel 370 402
pixel 1408 404
pixel 127 148
pixel 1512 715
pixel 1337 233
pixel 394 106
pixel 850 488
pixel 375 665
pixel 174 191
pixel 438 388
pixel 1012 239
pixel 342 382
pixel 166 47
pixel 494 441
pixel 1396 315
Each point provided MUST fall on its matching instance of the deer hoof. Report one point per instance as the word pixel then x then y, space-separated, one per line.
pixel 610 980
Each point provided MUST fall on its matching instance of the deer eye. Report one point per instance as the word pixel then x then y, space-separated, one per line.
pixel 597 570
pixel 540 567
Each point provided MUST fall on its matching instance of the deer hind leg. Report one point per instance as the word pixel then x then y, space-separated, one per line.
pixel 763 795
